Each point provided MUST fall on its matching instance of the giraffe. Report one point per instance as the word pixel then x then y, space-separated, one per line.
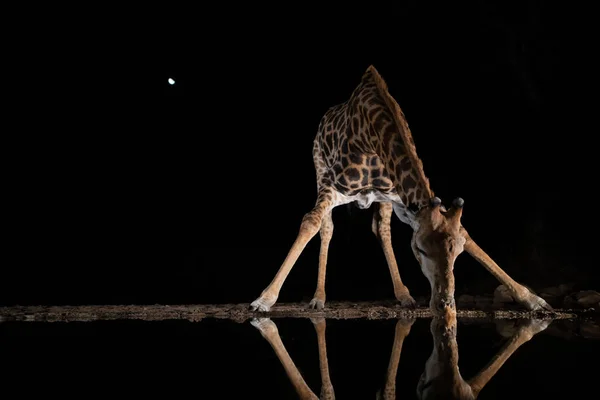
pixel 441 378
pixel 364 153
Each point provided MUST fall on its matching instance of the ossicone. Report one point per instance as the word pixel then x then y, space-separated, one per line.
pixel 436 202
pixel 455 212
pixel 458 202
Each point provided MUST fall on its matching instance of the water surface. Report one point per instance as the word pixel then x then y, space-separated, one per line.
pixel 227 359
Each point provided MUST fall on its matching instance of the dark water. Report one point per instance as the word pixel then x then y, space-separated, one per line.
pixel 230 360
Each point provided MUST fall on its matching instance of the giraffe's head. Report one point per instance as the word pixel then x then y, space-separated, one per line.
pixel 436 242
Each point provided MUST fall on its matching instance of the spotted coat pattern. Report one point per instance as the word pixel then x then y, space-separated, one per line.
pixel 365 145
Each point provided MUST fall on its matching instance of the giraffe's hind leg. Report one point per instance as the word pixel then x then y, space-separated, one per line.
pixel 381 228
pixel 326 233
pixel 311 223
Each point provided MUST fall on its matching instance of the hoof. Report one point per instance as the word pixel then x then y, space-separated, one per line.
pixel 404 324
pixel 261 304
pixel 317 304
pixel 532 327
pixel 264 325
pixel 407 301
pixel 535 303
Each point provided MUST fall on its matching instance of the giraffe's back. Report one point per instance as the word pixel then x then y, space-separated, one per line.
pixel 359 147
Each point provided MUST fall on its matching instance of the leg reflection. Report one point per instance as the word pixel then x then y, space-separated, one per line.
pixel 269 331
pixel 327 392
pixel 526 330
pixel 389 389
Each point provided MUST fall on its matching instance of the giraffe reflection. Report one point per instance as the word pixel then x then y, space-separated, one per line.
pixel 440 379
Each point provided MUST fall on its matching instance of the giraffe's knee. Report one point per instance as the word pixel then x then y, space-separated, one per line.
pixel 311 224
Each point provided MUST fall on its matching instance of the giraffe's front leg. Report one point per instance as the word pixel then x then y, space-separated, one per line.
pixel 311 223
pixel 269 296
pixel 520 293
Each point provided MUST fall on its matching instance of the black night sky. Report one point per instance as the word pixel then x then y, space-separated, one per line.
pixel 125 189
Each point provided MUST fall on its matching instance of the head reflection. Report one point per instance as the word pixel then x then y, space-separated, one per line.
pixel 441 378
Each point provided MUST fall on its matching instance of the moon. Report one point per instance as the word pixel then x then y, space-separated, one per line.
pixel 171 81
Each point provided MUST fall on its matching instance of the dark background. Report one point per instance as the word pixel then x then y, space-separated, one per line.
pixel 124 189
